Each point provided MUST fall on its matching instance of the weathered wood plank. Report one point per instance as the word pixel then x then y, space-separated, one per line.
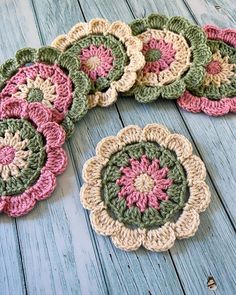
pixel 11 268
pixel 209 11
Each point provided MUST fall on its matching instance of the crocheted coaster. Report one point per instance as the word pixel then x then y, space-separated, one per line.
pixel 144 187
pixel 30 155
pixel 49 77
pixel 175 52
pixel 108 53
pixel 217 94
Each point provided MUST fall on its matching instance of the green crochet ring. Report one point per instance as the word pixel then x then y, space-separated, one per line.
pixel 174 181
pixel 175 52
pixel 51 78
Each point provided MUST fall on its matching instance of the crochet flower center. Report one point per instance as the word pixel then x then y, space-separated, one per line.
pixel 43 83
pixel 144 183
pixel 152 55
pixel 13 154
pixel 158 54
pixel 219 71
pixel 214 67
pixel 7 154
pixel 96 61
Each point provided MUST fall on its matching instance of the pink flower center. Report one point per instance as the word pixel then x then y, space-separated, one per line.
pixel 7 155
pixel 144 183
pixel 214 67
pixel 96 61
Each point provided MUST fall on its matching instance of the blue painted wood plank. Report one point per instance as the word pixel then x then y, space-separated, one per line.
pixel 10 260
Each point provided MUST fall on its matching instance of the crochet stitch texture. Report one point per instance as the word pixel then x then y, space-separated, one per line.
pixel 48 77
pixel 145 188
pixel 108 53
pixel 31 155
pixel 217 94
pixel 175 52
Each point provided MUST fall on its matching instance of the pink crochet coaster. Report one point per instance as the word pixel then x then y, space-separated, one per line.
pixel 217 94
pixel 145 188
pixel 31 155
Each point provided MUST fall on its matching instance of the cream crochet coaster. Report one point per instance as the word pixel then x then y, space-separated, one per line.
pixel 145 188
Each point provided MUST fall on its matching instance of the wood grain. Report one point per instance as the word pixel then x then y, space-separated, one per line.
pixel 53 249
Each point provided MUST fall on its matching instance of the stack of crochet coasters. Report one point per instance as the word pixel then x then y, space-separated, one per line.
pixel 144 187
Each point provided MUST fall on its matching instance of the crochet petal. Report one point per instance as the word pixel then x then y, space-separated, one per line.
pixel 161 239
pixel 128 239
pixel 56 161
pixel 19 205
pixel 44 186
pixel 187 224
pixel 55 134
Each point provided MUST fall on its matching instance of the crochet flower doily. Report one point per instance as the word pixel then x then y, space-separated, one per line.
pixel 175 52
pixel 217 94
pixel 108 54
pixel 145 188
pixel 49 77
pixel 30 155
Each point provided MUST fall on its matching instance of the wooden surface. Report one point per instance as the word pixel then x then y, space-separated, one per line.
pixel 53 250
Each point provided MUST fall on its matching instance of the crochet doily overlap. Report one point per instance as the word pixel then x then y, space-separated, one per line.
pixel 48 77
pixel 216 96
pixel 31 155
pixel 175 53
pixel 108 53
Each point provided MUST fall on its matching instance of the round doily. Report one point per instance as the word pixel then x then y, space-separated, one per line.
pixel 145 188
pixel 175 53
pixel 217 94
pixel 108 54
pixel 30 155
pixel 48 77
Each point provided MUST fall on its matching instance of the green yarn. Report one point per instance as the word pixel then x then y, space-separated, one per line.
pixel 153 55
pixel 150 217
pixel 35 95
pixel 35 161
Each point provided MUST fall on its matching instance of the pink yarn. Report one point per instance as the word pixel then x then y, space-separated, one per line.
pixel 143 200
pixel 167 56
pixel 96 61
pixel 213 67
pixel 7 154
pixel 195 104
pixel 226 35
pixel 62 83
pixel 56 159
